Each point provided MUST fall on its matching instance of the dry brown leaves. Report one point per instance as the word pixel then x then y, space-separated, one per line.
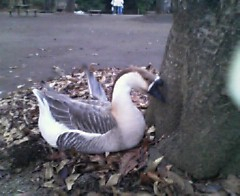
pixel 69 173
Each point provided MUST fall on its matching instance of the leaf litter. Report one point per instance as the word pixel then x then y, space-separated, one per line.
pixel 70 173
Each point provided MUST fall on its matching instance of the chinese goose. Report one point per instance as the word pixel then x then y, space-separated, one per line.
pixel 94 126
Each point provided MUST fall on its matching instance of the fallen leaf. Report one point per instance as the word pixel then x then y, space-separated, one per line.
pixel 20 86
pixel 182 184
pixel 62 164
pixel 145 179
pixel 156 189
pixel 102 181
pixel 93 194
pixel 48 173
pixel 137 194
pixel 231 184
pixel 152 166
pixel 19 141
pixel 13 67
pixel 49 184
pixel 168 167
pixel 71 180
pixel 151 129
pixel 64 173
pixel 154 176
pixel 58 70
pixel 207 188
pixel 129 161
pixel 113 180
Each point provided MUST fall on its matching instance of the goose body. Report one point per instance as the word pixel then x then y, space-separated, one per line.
pixel 96 126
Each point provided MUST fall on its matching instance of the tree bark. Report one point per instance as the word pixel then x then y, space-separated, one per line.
pixel 70 6
pixel 199 126
pixel 158 6
pixel 49 5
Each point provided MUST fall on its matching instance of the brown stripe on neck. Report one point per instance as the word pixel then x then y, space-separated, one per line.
pixel 148 76
pixel 125 71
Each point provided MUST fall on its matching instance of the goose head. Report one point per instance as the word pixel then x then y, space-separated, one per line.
pixel 139 79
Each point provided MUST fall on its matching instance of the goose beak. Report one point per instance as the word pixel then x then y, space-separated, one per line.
pixel 153 89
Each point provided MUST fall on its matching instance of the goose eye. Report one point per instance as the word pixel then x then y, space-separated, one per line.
pixel 147 79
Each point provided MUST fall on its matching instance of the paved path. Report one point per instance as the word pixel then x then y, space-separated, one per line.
pixel 31 46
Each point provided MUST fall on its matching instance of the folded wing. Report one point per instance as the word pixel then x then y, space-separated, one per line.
pixel 88 116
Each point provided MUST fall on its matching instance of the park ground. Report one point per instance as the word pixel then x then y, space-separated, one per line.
pixel 31 46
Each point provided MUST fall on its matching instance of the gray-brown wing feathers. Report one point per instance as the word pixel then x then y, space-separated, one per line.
pixel 73 140
pixel 87 116
pixel 91 118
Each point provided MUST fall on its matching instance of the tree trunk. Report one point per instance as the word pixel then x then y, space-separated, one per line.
pixel 49 5
pixel 199 125
pixel 158 6
pixel 70 6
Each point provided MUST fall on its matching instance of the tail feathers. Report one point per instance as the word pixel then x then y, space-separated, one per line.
pixel 40 96
pixel 95 88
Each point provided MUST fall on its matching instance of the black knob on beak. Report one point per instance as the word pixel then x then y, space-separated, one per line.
pixel 154 89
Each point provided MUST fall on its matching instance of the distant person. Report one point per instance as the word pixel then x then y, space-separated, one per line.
pixel 118 6
pixel 114 7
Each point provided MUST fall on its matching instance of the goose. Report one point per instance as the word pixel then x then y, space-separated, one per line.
pixel 97 126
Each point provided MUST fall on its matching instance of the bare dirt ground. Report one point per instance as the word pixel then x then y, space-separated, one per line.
pixel 31 46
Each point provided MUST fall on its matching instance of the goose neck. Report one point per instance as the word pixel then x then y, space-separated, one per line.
pixel 121 94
